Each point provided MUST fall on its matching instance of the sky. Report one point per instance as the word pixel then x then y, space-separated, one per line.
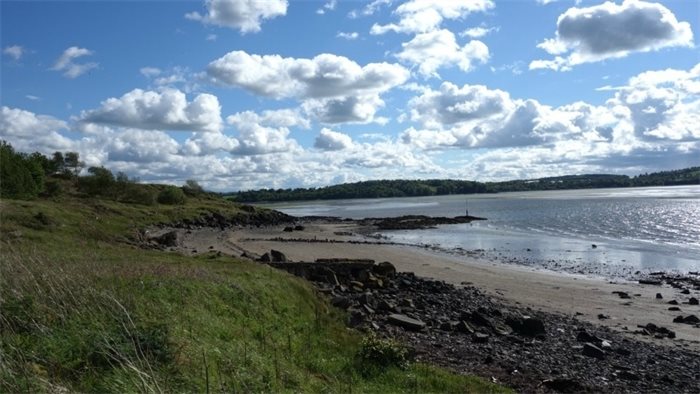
pixel 249 94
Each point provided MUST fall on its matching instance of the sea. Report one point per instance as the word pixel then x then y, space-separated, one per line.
pixel 608 232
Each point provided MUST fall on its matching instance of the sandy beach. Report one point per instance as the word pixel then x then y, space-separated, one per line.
pixel 586 298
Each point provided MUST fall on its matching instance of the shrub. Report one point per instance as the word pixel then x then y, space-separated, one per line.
pixel 377 354
pixel 53 189
pixel 192 188
pixel 138 194
pixel 171 195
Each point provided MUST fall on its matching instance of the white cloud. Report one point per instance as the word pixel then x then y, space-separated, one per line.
pixel 209 144
pixel 270 118
pixel 330 6
pixel 243 15
pixel 323 76
pixel 433 50
pixel 141 146
pixel 255 139
pixel 330 140
pixel 32 97
pixel 71 69
pixel 348 36
pixel 166 110
pixel 212 37
pixel 29 132
pixel 150 72
pixel 609 30
pixel 663 104
pixel 14 51
pixel 420 16
pixel 473 116
pixel 370 8
pixel 351 109
pixel 478 32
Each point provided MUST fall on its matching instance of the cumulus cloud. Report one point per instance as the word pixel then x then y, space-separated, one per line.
pixel 474 116
pixel 420 16
pixel 270 118
pixel 609 30
pixel 433 50
pixel 333 89
pixel 14 51
pixel 352 109
pixel 330 140
pixel 663 104
pixel 30 132
pixel 70 68
pixel 325 75
pixel 141 146
pixel 166 110
pixel 243 15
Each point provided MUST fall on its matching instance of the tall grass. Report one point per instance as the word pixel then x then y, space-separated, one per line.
pixel 81 310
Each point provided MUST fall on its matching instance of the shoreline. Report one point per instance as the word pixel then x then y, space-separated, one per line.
pixel 593 300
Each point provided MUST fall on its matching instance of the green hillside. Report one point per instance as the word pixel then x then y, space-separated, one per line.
pixel 83 308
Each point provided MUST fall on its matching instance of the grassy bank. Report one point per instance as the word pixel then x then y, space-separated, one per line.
pixel 83 309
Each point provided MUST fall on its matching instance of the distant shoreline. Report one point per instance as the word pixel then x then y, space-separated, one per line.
pixel 441 187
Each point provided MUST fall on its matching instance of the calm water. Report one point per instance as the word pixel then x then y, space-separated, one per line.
pixel 655 228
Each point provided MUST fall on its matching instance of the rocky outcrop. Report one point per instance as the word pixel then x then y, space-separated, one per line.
pixel 465 330
pixel 415 222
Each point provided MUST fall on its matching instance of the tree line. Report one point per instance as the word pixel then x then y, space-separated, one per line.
pixel 437 187
pixel 28 176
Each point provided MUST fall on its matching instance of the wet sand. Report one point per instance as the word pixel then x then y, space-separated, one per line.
pixel 584 297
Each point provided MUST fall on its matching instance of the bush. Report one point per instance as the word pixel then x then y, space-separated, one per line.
pixel 171 195
pixel 192 188
pixel 138 194
pixel 53 189
pixel 376 355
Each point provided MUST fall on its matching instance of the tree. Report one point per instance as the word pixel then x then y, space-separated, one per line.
pixel 20 176
pixel 100 181
pixel 73 163
pixel 58 163
pixel 192 188
pixel 171 195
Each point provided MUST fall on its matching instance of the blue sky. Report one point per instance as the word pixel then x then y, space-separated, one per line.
pixel 273 93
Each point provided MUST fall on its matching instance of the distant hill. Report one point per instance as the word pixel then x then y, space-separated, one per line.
pixel 437 187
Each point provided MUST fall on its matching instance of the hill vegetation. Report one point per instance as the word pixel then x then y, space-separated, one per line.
pixel 437 187
pixel 83 308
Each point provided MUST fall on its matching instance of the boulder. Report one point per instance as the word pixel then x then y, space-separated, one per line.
pixel 480 337
pixel 341 302
pixel 385 268
pixel 265 258
pixel 693 301
pixel 170 238
pixel 464 327
pixel 659 296
pixel 527 326
pixel 592 350
pixel 406 322
pixel 277 256
pixel 563 385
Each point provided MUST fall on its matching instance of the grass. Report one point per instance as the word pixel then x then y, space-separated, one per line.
pixel 83 310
